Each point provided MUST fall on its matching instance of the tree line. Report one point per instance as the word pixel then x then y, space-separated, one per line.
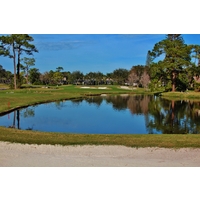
pixel 171 65
pixel 60 77
pixel 5 76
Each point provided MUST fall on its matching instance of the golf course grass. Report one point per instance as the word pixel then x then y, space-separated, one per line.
pixel 11 99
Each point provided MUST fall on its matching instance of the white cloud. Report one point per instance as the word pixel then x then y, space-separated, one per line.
pixel 59 45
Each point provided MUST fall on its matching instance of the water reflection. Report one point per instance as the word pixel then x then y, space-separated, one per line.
pixel 136 104
pixel 95 100
pixel 118 102
pixel 139 104
pixel 174 116
pixel 28 112
pixel 161 115
pixel 110 114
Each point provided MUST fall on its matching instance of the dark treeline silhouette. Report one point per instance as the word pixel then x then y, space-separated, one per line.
pixel 5 76
pixel 117 77
pixel 174 116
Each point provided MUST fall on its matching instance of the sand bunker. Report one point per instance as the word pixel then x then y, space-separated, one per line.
pixel 101 88
pixel 127 88
pixel 100 156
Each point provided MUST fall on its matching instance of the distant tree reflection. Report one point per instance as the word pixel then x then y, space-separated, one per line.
pixel 139 104
pixel 28 112
pixel 119 102
pixel 94 100
pixel 175 117
pixel 161 115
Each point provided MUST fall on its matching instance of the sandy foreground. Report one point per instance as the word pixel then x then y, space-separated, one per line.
pixel 24 155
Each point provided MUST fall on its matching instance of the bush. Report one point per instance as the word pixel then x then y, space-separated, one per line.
pixel 19 84
pixel 37 83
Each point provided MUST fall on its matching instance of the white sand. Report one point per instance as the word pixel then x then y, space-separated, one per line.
pixel 101 88
pixel 101 156
pixel 127 88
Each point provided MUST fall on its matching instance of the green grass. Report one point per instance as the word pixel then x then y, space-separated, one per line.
pixel 36 137
pixel 11 99
pixel 181 95
pixel 3 86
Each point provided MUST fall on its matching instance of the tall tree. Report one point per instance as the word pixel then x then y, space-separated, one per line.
pixel 59 69
pixel 145 79
pixel 58 77
pixel 148 59
pixel 196 55
pixel 16 44
pixel 76 77
pixel 23 45
pixel 135 74
pixel 7 48
pixel 34 75
pixel 28 62
pixel 176 58
pixel 120 75
pixel 196 51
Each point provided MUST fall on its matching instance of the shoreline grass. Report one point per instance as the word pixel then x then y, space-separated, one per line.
pixel 190 95
pixel 12 99
pixel 139 141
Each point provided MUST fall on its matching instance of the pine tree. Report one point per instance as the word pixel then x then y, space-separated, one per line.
pixel 13 46
pixel 176 58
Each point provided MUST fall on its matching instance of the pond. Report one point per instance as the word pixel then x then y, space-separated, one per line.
pixel 109 114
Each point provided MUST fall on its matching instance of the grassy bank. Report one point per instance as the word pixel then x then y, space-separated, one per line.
pixel 11 99
pixel 190 95
pixel 35 137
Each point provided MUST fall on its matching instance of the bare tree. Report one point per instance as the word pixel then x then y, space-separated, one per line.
pixel 145 79
pixel 133 78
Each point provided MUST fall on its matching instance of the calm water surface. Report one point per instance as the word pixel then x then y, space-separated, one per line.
pixel 120 114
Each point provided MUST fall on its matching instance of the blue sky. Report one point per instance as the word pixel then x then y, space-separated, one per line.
pixel 93 52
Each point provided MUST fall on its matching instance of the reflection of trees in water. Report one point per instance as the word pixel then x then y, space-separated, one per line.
pixel 77 101
pixel 28 112
pixel 139 104
pixel 94 100
pixel 160 115
pixel 118 102
pixel 172 117
pixel 16 117
pixel 59 104
pixel 136 104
